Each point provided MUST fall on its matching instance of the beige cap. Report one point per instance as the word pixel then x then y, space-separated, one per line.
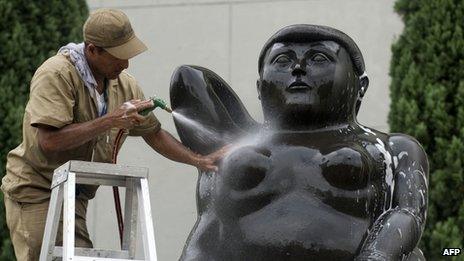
pixel 111 30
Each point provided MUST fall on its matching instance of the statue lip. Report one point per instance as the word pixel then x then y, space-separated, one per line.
pixel 298 85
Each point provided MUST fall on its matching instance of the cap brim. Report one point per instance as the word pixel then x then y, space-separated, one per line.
pixel 128 50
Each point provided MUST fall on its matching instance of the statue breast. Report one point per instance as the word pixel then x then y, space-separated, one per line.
pixel 285 199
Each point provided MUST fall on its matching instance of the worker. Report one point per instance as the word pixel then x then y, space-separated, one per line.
pixel 78 101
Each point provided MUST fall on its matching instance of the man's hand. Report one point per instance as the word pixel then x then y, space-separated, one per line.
pixel 126 116
pixel 209 162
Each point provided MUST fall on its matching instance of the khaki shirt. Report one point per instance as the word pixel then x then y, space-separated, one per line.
pixel 57 98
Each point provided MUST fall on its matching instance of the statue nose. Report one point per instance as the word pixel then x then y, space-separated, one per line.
pixel 298 70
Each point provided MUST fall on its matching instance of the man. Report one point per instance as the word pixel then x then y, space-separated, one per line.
pixel 312 183
pixel 79 99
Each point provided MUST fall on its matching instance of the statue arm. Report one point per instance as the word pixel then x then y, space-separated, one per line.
pixel 397 231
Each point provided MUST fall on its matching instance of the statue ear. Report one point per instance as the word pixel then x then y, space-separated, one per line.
pixel 363 84
pixel 258 87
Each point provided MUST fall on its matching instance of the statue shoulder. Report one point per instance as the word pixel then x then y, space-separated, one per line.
pixel 403 142
pixel 404 145
pixel 394 142
pixel 397 145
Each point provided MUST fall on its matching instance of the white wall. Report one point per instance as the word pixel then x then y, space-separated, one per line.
pixel 226 37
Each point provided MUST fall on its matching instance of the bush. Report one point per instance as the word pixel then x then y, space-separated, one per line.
pixel 427 102
pixel 31 31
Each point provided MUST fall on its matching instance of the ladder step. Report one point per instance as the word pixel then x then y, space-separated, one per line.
pixel 86 258
pixel 94 253
pixel 101 171
pixel 102 181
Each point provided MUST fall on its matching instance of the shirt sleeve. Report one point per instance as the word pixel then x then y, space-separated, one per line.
pixel 51 100
pixel 151 123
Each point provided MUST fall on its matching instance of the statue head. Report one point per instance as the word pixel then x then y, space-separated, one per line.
pixel 310 76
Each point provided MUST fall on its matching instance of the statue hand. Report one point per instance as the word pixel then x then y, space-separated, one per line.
pixel 204 97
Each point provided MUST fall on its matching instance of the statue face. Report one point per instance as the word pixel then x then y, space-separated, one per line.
pixel 307 83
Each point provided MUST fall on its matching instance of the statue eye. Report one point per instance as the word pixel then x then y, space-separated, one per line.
pixel 319 58
pixel 282 59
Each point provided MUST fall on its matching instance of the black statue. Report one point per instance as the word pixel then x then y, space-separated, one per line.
pixel 310 183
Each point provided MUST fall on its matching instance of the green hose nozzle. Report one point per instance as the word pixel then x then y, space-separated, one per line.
pixel 157 102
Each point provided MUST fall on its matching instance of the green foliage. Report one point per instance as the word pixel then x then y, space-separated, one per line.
pixel 30 32
pixel 427 94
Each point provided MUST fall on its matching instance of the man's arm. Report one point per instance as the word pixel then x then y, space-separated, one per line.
pixel 165 144
pixel 53 140
pixel 396 232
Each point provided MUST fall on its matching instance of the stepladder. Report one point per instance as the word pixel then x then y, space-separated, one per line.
pixel 136 209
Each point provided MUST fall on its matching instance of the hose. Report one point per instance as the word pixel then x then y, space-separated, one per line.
pixel 117 200
pixel 157 102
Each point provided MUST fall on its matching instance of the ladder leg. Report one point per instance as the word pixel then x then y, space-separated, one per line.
pixel 148 233
pixel 51 226
pixel 130 218
pixel 69 217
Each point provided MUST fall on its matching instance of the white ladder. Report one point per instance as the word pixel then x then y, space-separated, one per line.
pixel 137 199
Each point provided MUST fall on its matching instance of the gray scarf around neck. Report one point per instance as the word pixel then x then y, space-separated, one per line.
pixel 77 56
pixel 76 53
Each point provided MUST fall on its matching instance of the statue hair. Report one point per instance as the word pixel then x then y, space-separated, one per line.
pixel 302 33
